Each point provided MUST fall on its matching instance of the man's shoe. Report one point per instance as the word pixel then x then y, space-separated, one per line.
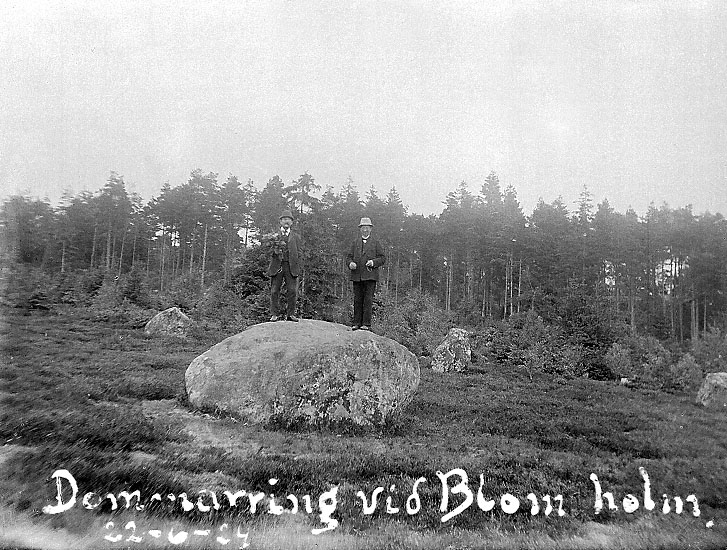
pixel 355 327
pixel 364 327
pixel 292 318
pixel 274 318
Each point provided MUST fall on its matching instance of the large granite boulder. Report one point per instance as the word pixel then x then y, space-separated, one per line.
pixel 170 322
pixel 454 354
pixel 310 373
pixel 713 392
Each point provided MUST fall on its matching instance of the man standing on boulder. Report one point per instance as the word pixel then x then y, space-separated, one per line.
pixel 364 259
pixel 284 264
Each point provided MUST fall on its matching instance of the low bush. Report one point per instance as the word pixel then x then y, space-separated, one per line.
pixel 618 359
pixel 135 288
pixel 710 351
pixel 416 322
pixel 107 297
pixel 87 284
pixel 685 374
pixel 526 340
pixel 109 305
pixel 28 288
pixel 641 358
pixel 219 305
pixel 183 292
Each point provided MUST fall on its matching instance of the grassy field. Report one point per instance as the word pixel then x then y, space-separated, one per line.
pixel 107 404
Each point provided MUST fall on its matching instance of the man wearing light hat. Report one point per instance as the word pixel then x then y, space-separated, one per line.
pixel 284 264
pixel 364 259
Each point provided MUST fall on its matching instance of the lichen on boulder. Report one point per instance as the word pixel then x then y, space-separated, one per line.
pixel 454 354
pixel 310 373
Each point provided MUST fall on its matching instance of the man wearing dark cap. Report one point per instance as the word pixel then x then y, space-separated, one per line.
pixel 284 264
pixel 364 259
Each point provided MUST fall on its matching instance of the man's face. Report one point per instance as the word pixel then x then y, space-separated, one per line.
pixel 365 231
pixel 286 223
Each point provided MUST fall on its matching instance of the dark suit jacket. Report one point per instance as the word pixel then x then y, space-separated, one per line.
pixel 294 253
pixel 371 251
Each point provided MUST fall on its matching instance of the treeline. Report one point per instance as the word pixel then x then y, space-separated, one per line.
pixel 662 274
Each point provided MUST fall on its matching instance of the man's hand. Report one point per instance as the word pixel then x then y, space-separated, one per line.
pixel 352 266
pixel 370 264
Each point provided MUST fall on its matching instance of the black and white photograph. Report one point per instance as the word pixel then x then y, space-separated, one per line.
pixel 309 274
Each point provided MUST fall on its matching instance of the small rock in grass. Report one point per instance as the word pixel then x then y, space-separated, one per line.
pixel 170 322
pixel 713 393
pixel 454 354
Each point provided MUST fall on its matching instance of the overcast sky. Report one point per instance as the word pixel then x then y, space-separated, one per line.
pixel 626 97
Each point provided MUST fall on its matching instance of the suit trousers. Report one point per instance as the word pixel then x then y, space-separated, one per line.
pixel 363 300
pixel 291 290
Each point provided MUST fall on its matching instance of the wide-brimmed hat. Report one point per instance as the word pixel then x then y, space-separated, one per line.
pixel 286 214
pixel 365 221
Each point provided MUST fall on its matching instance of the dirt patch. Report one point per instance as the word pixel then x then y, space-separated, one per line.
pixel 246 440
pixel 140 457
pixel 204 429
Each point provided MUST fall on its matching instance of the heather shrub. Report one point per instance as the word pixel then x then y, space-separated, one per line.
pixel 134 288
pixel 108 296
pixel 686 374
pixel 618 359
pixel 218 301
pixel 547 349
pixel 109 305
pixel 183 292
pixel 428 322
pixel 650 359
pixel 129 315
pixel 573 360
pixel 87 285
pixel 27 287
pixel 526 340
pixel 247 295
pixel 391 322
pixel 643 358
pixel 340 312
pixel 33 288
pixel 710 351
pixel 220 307
pixel 494 343
pixel 105 304
pixel 64 289
pixel 83 288
pixel 416 322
